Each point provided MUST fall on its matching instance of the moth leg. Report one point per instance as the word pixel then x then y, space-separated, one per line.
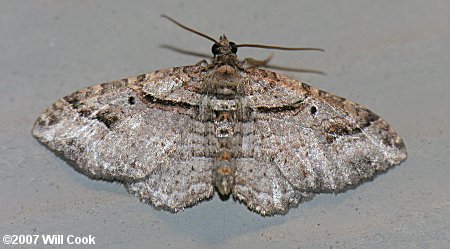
pixel 202 63
pixel 253 63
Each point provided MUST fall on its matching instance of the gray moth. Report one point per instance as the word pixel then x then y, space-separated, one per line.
pixel 174 136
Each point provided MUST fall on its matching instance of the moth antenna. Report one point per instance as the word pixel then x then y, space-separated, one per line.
pixel 179 50
pixel 190 29
pixel 277 47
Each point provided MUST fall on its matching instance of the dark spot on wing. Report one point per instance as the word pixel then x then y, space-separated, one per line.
pixel 366 117
pixel 51 116
pixel 107 118
pixel 41 122
pixel 185 70
pixel 73 101
pixel 85 112
pixel 131 100
pixel 342 129
pixel 141 78
pixel 313 110
pixel 330 139
pixel 52 119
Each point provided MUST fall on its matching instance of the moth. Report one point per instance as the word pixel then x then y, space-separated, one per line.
pixel 174 136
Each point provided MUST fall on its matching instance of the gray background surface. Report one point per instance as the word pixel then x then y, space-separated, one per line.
pixel 391 56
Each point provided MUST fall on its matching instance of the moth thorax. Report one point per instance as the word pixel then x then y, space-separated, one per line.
pixel 223 174
pixel 226 71
pixel 226 81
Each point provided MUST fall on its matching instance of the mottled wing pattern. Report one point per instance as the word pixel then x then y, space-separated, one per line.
pixel 319 142
pixel 176 187
pixel 134 131
pixel 264 189
pixel 259 183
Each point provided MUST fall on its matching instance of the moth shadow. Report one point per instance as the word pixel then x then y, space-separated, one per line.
pixel 213 222
pixel 353 186
pixel 86 178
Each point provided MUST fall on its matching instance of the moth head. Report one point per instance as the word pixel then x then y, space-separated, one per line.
pixel 224 47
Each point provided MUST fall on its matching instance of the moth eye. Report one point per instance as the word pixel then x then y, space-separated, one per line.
pixel 234 48
pixel 215 49
pixel 313 110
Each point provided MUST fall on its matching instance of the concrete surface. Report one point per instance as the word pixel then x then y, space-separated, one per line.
pixel 391 56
